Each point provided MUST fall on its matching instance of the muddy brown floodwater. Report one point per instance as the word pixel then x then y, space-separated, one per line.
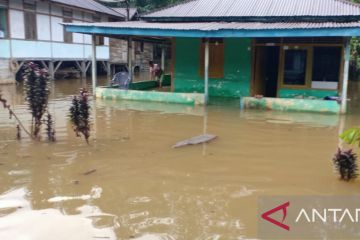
pixel 144 189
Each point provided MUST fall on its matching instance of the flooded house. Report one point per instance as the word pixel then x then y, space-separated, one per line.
pixel 283 55
pixel 31 30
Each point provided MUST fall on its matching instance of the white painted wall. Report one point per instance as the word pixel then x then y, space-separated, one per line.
pixel 57 30
pixel 34 49
pixel 4 48
pixel 78 37
pixel 68 51
pixel 47 50
pixel 43 27
pixel 17 29
pixel 87 39
pixel 49 29
pixel 324 85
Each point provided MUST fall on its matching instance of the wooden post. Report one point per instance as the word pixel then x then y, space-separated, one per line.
pixel 129 58
pixel 206 72
pixel 93 67
pixel 345 76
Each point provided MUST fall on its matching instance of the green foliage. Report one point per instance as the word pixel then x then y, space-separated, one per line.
pixel 351 136
pixel 145 5
pixel 80 115
pixel 37 89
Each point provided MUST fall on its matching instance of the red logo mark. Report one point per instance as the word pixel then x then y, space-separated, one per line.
pixel 281 224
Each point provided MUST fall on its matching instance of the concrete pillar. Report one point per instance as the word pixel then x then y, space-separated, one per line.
pixel 93 64
pixel 108 69
pixel 206 71
pixel 83 69
pixel 163 58
pixel 129 58
pixel 345 82
pixel 52 70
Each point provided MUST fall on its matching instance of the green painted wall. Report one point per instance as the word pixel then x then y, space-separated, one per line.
pixel 295 105
pixel 306 93
pixel 150 96
pixel 237 68
pixel 143 85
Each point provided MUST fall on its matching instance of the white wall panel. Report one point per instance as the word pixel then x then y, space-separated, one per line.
pixel 4 48
pixel 87 39
pixel 57 30
pixel 68 51
pixel 78 37
pixel 43 27
pixel 17 29
pixel 30 49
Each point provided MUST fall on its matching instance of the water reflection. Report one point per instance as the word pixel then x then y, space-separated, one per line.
pixel 144 189
pixel 24 223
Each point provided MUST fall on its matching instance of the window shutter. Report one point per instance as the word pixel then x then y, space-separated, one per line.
pixel 216 59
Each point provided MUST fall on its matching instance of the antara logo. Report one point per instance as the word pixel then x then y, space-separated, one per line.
pixel 283 207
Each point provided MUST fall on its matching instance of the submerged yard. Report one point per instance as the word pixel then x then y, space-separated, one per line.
pixel 130 184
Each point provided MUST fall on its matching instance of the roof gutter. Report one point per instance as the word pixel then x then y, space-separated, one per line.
pixel 221 33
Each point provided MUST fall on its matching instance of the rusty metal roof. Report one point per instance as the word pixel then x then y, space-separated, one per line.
pixel 90 5
pixel 257 9
pixel 215 26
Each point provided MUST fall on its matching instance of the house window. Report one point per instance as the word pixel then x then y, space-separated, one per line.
pixel 295 61
pixel 216 58
pixel 30 20
pixel 326 64
pixel 311 67
pixel 68 14
pixel 100 41
pixel 29 5
pixel 4 32
pixel 96 18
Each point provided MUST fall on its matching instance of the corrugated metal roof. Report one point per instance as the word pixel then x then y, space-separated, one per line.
pixel 90 5
pixel 257 9
pixel 215 26
pixel 123 11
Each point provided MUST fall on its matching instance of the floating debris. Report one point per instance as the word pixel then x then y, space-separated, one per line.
pixel 94 194
pixel 89 172
pixel 75 182
pixel 196 140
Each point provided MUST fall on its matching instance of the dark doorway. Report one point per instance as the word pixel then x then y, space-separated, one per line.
pixel 266 70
